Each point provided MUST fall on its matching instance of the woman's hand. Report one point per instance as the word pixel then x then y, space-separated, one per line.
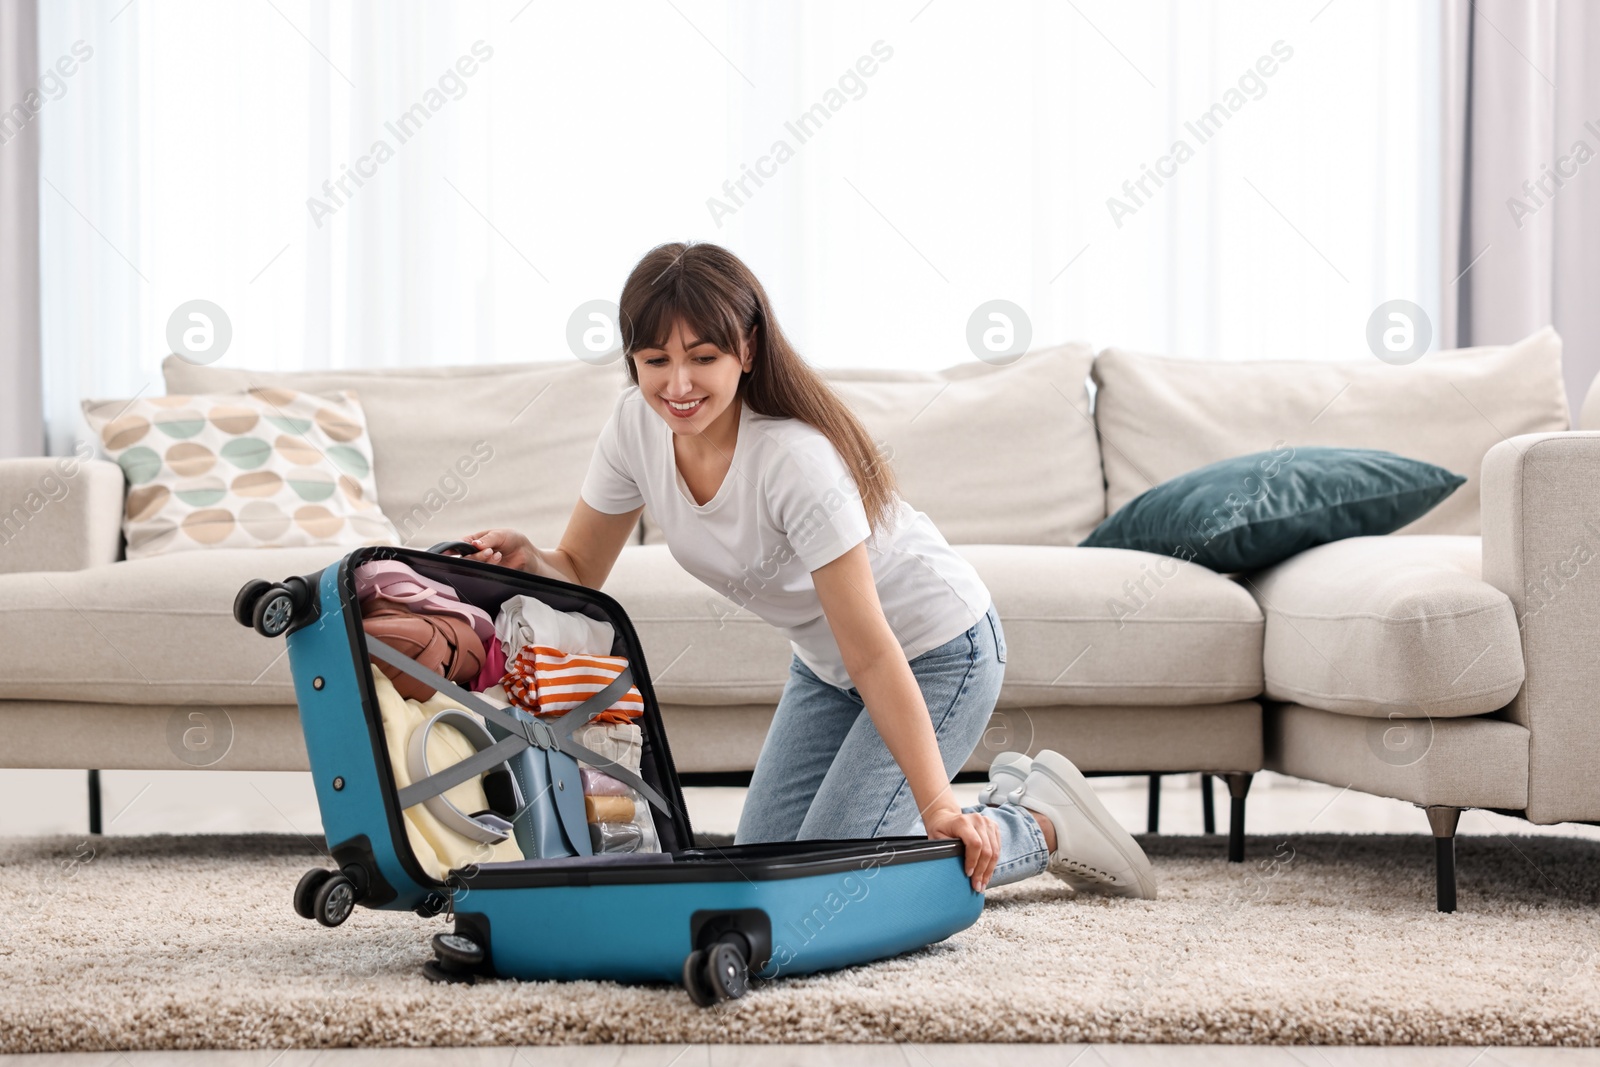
pixel 507 548
pixel 980 835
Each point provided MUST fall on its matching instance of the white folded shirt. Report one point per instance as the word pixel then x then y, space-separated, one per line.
pixel 525 619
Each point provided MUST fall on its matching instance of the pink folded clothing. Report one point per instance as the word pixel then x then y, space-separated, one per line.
pixel 599 784
pixel 494 667
pixel 391 580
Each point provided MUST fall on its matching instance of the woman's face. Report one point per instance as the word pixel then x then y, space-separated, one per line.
pixel 690 383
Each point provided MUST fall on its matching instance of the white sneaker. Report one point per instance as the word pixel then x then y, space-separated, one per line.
pixel 1093 851
pixel 1007 774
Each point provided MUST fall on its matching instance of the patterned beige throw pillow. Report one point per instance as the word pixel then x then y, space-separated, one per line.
pixel 263 469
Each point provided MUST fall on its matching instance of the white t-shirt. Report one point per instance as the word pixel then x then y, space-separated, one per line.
pixel 787 506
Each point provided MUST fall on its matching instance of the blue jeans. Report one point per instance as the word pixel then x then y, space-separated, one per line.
pixel 825 773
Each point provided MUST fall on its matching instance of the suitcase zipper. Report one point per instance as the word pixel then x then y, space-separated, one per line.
pixel 659 731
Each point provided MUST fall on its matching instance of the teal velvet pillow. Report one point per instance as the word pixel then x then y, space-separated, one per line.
pixel 1252 511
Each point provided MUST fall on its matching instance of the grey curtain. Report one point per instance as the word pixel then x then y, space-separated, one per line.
pixel 1520 148
pixel 21 391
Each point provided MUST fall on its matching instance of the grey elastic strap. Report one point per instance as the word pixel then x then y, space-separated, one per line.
pixel 485 759
pixel 485 827
pixel 536 734
pixel 557 733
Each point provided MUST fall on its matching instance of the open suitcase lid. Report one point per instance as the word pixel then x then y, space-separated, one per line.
pixel 488 586
pixel 679 858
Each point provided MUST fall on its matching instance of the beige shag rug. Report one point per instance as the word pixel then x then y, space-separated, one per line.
pixel 190 942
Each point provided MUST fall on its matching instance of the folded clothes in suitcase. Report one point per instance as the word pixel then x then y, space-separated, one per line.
pixel 705 916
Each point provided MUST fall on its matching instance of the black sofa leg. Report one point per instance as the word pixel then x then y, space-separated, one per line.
pixel 1238 787
pixel 1443 822
pixel 1208 806
pixel 1153 814
pixel 94 802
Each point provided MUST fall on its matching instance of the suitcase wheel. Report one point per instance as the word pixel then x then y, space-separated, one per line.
pixel 695 981
pixel 326 896
pixel 458 950
pixel 434 971
pixel 719 971
pixel 728 969
pixel 457 958
pixel 334 899
pixel 244 605
pixel 305 891
pixel 273 611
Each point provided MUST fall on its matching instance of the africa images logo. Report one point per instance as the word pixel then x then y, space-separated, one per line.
pixel 406 126
pixel 804 127
pixel 1203 128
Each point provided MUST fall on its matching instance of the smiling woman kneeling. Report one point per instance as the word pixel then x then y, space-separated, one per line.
pixel 769 491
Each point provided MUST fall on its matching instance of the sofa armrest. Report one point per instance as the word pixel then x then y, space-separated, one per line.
pixel 59 513
pixel 1541 547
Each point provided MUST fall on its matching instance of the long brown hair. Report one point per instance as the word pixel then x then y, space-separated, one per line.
pixel 721 301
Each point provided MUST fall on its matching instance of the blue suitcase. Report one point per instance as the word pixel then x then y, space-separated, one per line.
pixel 707 917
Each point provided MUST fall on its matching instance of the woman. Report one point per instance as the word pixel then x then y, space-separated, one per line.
pixel 768 490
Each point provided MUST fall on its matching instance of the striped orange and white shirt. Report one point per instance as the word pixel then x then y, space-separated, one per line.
pixel 547 681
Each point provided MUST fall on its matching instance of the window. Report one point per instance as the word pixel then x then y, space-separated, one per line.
pixel 442 183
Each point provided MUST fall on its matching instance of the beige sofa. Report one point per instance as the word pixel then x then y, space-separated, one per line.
pixel 1447 665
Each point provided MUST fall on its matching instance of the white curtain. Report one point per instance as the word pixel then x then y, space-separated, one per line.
pixel 1521 205
pixel 21 428
pixel 956 154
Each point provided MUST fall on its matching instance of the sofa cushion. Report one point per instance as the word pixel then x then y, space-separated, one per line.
pixel 1389 626
pixel 269 468
pixel 1252 511
pixel 1083 627
pixel 148 631
pixel 1113 626
pixel 992 454
pixel 460 449
pixel 1160 417
pixel 700 647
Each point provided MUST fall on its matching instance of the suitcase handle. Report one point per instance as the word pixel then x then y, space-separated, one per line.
pixel 457 548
